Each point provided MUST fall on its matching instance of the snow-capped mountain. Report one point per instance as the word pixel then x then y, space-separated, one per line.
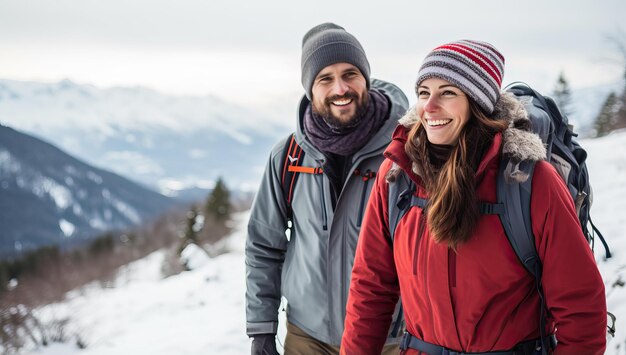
pixel 48 197
pixel 162 141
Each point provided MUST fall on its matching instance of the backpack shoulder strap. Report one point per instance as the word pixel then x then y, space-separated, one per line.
pixel 401 199
pixel 293 155
pixel 515 217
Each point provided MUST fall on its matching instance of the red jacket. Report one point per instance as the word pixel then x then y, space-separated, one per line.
pixel 480 298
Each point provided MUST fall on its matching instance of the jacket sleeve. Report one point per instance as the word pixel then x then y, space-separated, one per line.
pixel 374 286
pixel 572 284
pixel 266 244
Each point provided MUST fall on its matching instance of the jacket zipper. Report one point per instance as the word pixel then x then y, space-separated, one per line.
pixel 420 233
pixel 344 275
pixel 324 213
pixel 366 178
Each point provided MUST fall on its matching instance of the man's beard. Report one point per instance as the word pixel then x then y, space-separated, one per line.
pixel 334 122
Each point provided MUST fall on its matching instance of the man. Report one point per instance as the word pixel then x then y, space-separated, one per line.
pixel 345 122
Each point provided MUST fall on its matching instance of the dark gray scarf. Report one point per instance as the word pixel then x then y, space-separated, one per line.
pixel 347 140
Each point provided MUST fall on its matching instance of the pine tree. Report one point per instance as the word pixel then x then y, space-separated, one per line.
pixel 612 116
pixel 563 95
pixel 218 205
pixel 190 234
pixel 606 118
pixel 4 276
pixel 191 231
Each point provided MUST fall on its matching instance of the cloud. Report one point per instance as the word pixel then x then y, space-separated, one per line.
pixel 125 162
pixel 197 153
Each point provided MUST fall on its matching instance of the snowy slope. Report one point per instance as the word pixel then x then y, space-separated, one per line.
pixel 607 169
pixel 196 312
pixel 202 311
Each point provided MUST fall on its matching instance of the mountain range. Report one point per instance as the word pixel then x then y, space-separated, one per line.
pixel 166 142
pixel 48 197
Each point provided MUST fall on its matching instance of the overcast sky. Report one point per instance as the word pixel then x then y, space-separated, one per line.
pixel 248 52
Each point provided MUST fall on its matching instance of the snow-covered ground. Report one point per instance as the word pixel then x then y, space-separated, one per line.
pixel 202 311
pixel 196 312
pixel 607 171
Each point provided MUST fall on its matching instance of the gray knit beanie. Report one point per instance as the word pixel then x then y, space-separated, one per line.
pixel 327 44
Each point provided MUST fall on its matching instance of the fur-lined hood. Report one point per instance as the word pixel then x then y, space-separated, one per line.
pixel 517 143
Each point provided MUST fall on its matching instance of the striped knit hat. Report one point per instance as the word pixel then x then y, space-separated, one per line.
pixel 474 67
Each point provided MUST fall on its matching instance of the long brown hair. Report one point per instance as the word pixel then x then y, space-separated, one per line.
pixel 453 210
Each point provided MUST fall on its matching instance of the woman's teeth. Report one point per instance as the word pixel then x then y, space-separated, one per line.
pixel 438 122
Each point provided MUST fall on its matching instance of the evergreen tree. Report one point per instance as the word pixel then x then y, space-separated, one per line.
pixel 218 205
pixel 612 116
pixel 191 231
pixel 4 276
pixel 190 235
pixel 606 118
pixel 563 95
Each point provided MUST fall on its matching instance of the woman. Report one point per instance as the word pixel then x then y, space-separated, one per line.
pixel 463 288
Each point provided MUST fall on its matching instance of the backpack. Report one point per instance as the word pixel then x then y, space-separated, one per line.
pixel 513 198
pixel 564 153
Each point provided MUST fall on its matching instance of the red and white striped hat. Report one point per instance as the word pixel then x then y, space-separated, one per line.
pixel 474 67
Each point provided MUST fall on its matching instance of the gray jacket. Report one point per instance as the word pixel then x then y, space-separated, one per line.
pixel 312 267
